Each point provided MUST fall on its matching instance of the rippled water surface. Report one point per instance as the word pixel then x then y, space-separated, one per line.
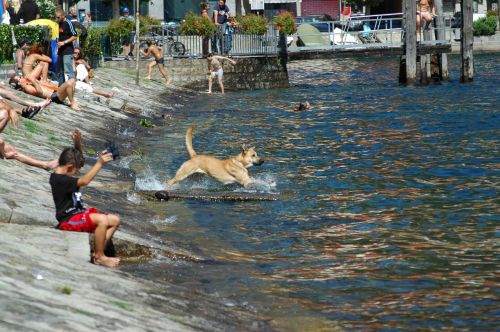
pixel 389 210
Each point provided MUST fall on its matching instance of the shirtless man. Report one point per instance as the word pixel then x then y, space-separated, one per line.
pixel 46 90
pixel 36 58
pixel 9 113
pixel 215 68
pixel 157 53
pixel 425 10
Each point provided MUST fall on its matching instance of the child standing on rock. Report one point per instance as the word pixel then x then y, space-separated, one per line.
pixel 157 53
pixel 70 213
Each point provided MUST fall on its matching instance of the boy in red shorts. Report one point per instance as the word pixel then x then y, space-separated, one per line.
pixel 70 213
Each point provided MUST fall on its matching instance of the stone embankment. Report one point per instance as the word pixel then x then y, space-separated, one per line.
pixel 46 280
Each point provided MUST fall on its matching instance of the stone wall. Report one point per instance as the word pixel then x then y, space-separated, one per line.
pixel 247 74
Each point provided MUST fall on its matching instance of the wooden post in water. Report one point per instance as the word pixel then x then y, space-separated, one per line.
pixel 467 42
pixel 410 15
pixel 425 60
pixel 441 35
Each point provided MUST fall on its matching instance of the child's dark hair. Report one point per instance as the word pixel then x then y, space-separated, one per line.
pixel 72 156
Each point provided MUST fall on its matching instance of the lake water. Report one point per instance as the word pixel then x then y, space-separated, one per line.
pixel 388 217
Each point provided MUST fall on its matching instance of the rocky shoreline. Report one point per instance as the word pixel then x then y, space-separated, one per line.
pixel 47 282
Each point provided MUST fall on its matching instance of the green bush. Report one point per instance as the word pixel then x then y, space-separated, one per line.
pixel 485 26
pixel 492 12
pixel 118 29
pixel 92 45
pixel 36 34
pixel 285 22
pixel 197 25
pixel 253 24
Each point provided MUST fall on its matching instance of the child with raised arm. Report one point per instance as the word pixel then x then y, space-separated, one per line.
pixel 215 69
pixel 157 53
pixel 70 213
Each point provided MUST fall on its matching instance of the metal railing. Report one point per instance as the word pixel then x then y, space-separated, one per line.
pixel 381 31
pixel 226 41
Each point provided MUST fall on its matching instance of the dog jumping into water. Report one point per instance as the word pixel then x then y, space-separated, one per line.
pixel 233 169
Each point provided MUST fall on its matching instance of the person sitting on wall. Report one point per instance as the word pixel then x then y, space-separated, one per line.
pixel 83 73
pixel 21 54
pixel 426 11
pixel 36 64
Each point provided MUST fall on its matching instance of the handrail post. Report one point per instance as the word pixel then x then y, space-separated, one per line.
pixel 410 15
pixel 467 71
pixel 441 35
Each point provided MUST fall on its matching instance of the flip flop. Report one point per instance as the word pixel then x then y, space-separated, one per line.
pixel 34 111
pixel 26 112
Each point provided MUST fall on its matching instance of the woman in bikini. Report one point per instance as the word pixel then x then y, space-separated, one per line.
pixel 36 64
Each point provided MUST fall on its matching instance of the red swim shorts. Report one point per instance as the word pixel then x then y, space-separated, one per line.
pixel 80 222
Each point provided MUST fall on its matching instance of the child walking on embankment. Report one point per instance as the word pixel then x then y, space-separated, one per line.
pixel 70 213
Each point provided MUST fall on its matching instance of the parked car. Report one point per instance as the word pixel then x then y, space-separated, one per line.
pixel 321 22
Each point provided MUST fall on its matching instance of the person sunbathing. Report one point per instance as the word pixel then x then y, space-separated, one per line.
pixel 8 93
pixel 36 64
pixel 46 90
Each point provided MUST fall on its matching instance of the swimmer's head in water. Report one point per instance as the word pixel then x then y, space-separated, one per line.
pixel 304 106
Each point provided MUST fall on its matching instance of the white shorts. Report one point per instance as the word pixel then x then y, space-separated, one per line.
pixel 219 73
pixel 83 86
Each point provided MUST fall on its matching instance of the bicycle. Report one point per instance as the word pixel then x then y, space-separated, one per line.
pixel 173 47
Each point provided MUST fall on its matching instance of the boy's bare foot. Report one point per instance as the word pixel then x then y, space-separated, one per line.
pixel 106 261
pixel 209 92
pixel 147 77
pixel 75 106
pixel 49 165
pixel 168 81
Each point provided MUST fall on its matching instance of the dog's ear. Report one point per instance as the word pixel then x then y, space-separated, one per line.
pixel 244 149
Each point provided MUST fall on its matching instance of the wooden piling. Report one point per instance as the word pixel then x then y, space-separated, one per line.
pixel 410 41
pixel 441 35
pixel 466 44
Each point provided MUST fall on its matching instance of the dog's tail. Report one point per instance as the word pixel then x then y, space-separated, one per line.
pixel 189 141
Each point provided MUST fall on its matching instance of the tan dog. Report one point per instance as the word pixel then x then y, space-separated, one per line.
pixel 227 171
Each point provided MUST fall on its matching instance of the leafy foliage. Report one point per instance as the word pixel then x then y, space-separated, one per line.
pixel 47 8
pixel 197 25
pixel 35 34
pixel 485 26
pixel 92 46
pixel 285 22
pixel 253 24
pixel 492 12
pixel 118 29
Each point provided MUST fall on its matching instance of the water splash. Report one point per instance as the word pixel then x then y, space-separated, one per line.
pixel 131 197
pixel 166 221
pixel 148 181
